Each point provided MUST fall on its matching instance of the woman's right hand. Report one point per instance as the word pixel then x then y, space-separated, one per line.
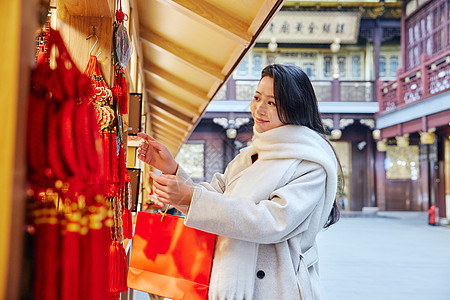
pixel 156 154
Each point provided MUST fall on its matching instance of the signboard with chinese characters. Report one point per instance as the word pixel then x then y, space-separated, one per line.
pixel 312 27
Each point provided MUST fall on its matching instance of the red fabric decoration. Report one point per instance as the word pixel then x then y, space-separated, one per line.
pixel 106 158
pixel 103 102
pixel 41 54
pixel 66 174
pixel 98 245
pixel 122 166
pixel 120 15
pixel 70 259
pixel 55 157
pixel 47 251
pixel 114 163
pixel 120 92
pixel 118 269
pixel 127 221
pixel 83 282
pixel 89 157
pixel 36 137
pixel 66 136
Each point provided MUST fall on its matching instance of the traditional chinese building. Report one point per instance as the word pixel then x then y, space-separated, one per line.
pixel 344 47
pixel 414 116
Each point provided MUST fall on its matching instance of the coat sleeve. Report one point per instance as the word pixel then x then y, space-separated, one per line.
pixel 217 182
pixel 287 213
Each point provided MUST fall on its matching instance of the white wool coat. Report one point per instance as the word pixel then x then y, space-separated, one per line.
pixel 266 244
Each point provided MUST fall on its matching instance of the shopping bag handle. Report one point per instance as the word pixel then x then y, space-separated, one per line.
pixel 163 214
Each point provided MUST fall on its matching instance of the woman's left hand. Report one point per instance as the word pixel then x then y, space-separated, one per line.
pixel 173 190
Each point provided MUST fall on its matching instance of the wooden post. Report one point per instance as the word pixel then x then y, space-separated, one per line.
pixel 376 49
pixel 380 182
pixel 231 89
pixel 403 40
pixel 20 18
pixel 425 76
pixel 399 129
pixel 400 93
pixel 424 124
pixel 379 86
pixel 370 171
pixel 336 120
pixel 335 90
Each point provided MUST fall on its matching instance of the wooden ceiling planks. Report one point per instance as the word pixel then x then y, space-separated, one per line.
pixel 217 19
pixel 182 54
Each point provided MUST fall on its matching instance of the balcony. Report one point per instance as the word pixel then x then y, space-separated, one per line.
pixel 326 90
pixel 430 78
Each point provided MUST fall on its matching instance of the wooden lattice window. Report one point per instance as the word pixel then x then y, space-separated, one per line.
pixel 427 31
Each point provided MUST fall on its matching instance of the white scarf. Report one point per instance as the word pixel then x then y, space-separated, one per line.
pixel 233 273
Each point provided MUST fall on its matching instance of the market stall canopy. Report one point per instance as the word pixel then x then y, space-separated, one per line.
pixel 184 51
pixel 188 49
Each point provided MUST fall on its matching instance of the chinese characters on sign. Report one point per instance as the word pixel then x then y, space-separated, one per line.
pixel 312 27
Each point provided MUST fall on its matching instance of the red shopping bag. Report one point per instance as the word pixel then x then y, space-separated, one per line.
pixel 170 259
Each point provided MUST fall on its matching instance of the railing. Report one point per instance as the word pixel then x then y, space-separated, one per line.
pixel 431 77
pixel 326 90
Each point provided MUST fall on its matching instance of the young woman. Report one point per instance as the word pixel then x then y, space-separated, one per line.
pixel 271 202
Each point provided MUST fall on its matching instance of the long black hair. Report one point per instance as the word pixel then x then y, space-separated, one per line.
pixel 297 105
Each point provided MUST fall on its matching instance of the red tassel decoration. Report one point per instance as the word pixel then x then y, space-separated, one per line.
pixel 70 260
pixel 85 274
pixel 106 156
pixel 65 151
pixel 114 160
pixel 120 91
pixel 118 269
pixel 122 166
pixel 123 103
pixel 98 245
pixel 46 249
pixel 127 221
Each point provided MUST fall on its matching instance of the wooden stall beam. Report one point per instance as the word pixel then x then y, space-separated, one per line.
pixel 154 70
pixel 182 54
pixel 203 12
pixel 158 127
pixel 179 104
pixel 158 119
pixel 170 109
pixel 166 141
pixel 173 119
pixel 269 8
